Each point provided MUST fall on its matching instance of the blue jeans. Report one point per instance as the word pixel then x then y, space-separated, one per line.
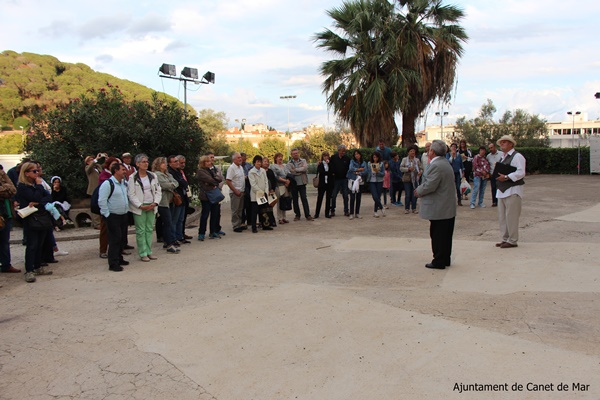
pixel 5 245
pixel 410 201
pixel 479 185
pixel 177 215
pixel 340 185
pixel 457 180
pixel 168 233
pixel 211 210
pixel 376 189
pixel 396 192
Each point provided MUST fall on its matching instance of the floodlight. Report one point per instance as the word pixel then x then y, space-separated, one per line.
pixel 209 77
pixel 190 72
pixel 168 69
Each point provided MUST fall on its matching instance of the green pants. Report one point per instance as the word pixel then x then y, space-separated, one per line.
pixel 144 225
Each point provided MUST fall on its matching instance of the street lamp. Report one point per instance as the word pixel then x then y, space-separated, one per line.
pixel 573 114
pixel 289 133
pixel 442 114
pixel 189 75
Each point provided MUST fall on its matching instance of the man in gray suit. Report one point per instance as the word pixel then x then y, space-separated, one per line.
pixel 438 205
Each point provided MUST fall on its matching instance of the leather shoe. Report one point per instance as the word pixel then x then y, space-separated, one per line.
pixel 123 262
pixel 187 237
pixel 11 270
pixel 128 247
pixel 238 230
pixel 430 265
pixel 500 244
pixel 507 245
pixel 116 268
pixel 267 228
pixel 53 261
pixel 254 230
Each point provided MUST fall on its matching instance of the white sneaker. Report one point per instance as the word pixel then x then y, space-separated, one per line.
pixel 482 206
pixel 61 253
pixel 376 215
pixel 382 212
pixel 357 216
pixel 351 216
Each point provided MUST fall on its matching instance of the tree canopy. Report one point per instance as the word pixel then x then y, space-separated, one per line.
pixel 390 57
pixel 528 130
pixel 104 121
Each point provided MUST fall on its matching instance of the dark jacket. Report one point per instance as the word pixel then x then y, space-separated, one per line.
pixel 183 184
pixel 32 194
pixel 323 174
pixel 208 180
pixel 338 167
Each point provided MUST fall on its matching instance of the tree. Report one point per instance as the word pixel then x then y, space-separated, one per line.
pixel 389 60
pixel 269 147
pixel 429 44
pixel 11 144
pixel 103 121
pixel 362 85
pixel 212 122
pixel 528 130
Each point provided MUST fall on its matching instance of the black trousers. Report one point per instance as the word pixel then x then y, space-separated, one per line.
pixel 300 191
pixel 117 233
pixel 441 232
pixel 325 190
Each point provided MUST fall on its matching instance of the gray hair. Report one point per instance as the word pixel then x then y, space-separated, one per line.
pixel 139 158
pixel 439 148
pixel 180 157
pixel 234 155
pixel 342 146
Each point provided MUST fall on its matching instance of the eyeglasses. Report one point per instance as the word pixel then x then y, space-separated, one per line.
pixel 35 171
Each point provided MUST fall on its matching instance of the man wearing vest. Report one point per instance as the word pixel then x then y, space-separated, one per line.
pixel 510 191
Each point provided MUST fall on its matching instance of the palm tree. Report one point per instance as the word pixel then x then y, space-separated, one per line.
pixel 429 42
pixel 389 59
pixel 362 84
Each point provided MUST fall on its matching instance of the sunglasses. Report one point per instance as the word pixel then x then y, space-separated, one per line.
pixel 35 171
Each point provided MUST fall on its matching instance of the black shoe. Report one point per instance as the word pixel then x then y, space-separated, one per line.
pixel 254 230
pixel 53 261
pixel 128 247
pixel 123 262
pixel 316 216
pixel 43 264
pixel 244 228
pixel 328 216
pixel 346 214
pixel 184 241
pixel 159 240
pixel 267 228
pixel 238 230
pixel 430 265
pixel 116 268
pixel 187 237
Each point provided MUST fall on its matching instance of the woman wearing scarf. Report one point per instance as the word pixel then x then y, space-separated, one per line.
pixel 411 173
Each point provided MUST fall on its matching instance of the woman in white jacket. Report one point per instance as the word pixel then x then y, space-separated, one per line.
pixel 144 195
pixel 259 186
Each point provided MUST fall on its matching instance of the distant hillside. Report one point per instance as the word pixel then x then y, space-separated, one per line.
pixel 29 81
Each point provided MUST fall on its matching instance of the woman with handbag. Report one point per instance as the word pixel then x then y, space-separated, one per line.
pixel 209 182
pixel 144 194
pixel 357 174
pixel 411 173
pixel 31 193
pixel 168 184
pixel 325 185
pixel 281 190
pixel 267 217
pixel 376 174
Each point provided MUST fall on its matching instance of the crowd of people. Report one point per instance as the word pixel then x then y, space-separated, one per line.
pixel 155 197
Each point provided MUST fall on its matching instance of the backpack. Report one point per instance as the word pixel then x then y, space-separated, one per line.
pixel 94 207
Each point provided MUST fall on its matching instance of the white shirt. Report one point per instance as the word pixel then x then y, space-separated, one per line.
pixel 519 162
pixel 493 159
pixel 235 174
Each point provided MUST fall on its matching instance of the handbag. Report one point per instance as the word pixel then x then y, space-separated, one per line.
pixel 40 221
pixel 285 203
pixel 316 181
pixel 177 200
pixel 214 196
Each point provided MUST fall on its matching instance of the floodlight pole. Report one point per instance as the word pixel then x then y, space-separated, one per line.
pixel 442 114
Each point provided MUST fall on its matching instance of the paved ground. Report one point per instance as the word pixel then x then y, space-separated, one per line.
pixel 333 309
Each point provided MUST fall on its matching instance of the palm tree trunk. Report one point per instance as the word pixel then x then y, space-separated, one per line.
pixel 408 128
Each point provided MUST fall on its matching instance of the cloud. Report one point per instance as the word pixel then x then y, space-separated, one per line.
pixel 56 29
pixel 104 58
pixel 102 27
pixel 176 45
pixel 149 23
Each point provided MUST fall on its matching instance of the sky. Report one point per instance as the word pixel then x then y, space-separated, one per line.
pixel 540 56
